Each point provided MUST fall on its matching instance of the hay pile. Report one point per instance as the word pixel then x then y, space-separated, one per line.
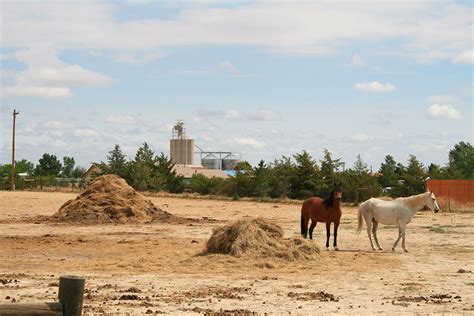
pixel 109 199
pixel 258 237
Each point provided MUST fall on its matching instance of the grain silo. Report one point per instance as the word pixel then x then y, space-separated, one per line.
pixel 211 161
pixel 181 148
pixel 229 162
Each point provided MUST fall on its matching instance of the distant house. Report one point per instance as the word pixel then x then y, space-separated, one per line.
pixel 187 171
pixel 92 172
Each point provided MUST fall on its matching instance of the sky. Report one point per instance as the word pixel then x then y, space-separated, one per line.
pixel 260 78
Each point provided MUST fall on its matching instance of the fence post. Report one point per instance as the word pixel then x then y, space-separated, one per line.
pixel 71 293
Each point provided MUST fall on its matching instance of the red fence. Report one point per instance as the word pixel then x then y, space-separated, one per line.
pixel 453 193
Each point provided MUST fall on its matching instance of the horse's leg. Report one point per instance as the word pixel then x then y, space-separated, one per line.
pixel 369 227
pixel 304 225
pixel 399 237
pixel 336 225
pixel 311 228
pixel 403 227
pixel 328 234
pixel 374 232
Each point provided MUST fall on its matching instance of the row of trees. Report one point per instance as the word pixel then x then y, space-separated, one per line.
pixel 296 177
pixel 147 171
pixel 48 166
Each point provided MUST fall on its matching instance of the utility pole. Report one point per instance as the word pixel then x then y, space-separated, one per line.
pixel 15 113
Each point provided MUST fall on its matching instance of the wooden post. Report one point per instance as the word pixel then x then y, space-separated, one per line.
pixel 38 309
pixel 71 294
pixel 12 184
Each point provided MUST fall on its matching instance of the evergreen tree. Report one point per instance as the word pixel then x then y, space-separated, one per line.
pixel 412 180
pixel 461 160
pixel 143 169
pixel 165 174
pixel 280 173
pixel 360 167
pixel 261 174
pixel 116 164
pixel 68 166
pixel 49 165
pixel 329 165
pixel 388 169
pixel 306 176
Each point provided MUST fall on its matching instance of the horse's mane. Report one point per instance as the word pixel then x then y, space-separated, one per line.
pixel 412 200
pixel 328 199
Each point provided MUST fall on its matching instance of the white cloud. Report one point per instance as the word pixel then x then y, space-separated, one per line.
pixel 47 76
pixel 232 115
pixel 357 61
pixel 264 115
pixel 443 99
pixel 465 57
pixel 440 30
pixel 121 119
pixel 375 86
pixel 438 111
pixel 57 125
pixel 192 72
pixel 84 132
pixel 249 142
pixel 138 58
pixel 360 137
pixel 35 91
pixel 228 66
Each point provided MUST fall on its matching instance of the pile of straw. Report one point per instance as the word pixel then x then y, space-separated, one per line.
pixel 258 237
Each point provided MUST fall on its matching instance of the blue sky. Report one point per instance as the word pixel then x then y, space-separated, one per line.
pixel 263 78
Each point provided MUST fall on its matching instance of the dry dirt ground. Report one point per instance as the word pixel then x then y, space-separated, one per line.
pixel 156 268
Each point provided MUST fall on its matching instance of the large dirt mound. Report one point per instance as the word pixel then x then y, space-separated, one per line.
pixel 258 237
pixel 109 199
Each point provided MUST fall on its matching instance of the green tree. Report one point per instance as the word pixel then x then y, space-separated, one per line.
pixel 437 172
pixel 24 165
pixel 49 165
pixel 167 176
pixel 261 174
pixel 244 180
pixel 388 169
pixel 78 172
pixel 143 175
pixel 280 173
pixel 116 164
pixel 68 166
pixel 203 185
pixel 412 180
pixel 360 167
pixel 461 160
pixel 304 182
pixel 329 166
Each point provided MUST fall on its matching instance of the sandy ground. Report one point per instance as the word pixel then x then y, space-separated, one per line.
pixel 156 268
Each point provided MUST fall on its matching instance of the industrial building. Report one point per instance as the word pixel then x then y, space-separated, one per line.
pixel 213 163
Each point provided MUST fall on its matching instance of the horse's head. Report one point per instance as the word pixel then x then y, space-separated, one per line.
pixel 431 202
pixel 337 191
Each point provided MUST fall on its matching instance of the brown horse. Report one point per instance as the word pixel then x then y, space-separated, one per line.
pixel 324 211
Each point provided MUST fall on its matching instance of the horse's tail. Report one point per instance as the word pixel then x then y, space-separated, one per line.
pixel 304 228
pixel 359 218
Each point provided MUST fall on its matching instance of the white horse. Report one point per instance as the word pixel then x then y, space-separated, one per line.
pixel 397 212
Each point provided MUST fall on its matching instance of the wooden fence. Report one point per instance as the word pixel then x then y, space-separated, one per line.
pixel 453 194
pixel 70 296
